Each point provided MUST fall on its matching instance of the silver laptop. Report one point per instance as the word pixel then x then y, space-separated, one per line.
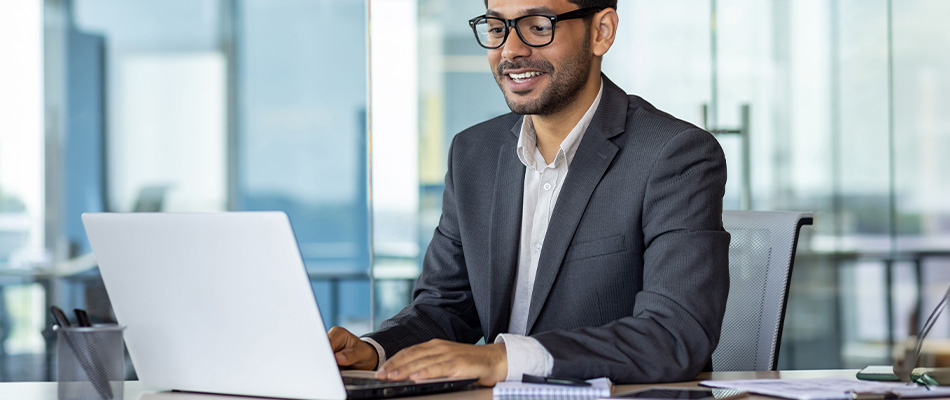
pixel 222 303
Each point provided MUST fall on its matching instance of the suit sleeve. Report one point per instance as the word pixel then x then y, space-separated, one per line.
pixel 677 316
pixel 442 306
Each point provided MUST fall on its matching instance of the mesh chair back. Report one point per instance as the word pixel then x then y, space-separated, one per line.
pixel 761 254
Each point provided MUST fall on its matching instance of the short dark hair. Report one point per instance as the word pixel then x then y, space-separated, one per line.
pixel 589 3
pixel 595 3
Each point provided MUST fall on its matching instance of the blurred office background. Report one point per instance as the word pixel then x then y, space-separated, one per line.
pixel 340 112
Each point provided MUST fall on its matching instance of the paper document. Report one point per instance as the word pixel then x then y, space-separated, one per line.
pixel 836 388
pixel 599 387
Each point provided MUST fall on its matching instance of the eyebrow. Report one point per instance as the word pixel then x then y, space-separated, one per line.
pixel 530 11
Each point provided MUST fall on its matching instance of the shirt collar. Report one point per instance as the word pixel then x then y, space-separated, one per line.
pixel 528 139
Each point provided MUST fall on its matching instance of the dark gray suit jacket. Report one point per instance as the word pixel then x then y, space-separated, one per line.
pixel 633 277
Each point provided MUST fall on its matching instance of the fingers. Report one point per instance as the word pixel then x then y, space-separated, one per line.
pixel 340 338
pixel 437 369
pixel 350 351
pixel 410 359
pixel 439 359
pixel 431 367
pixel 345 358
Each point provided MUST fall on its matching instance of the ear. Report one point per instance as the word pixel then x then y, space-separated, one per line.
pixel 603 31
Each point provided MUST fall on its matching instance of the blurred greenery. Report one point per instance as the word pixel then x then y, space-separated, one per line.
pixel 11 204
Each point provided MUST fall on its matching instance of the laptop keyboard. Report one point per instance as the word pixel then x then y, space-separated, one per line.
pixel 352 380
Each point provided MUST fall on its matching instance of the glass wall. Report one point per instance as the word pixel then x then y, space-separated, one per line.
pixel 919 137
pixel 301 144
pixel 177 106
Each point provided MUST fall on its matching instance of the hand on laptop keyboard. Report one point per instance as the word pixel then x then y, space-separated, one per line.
pixel 444 359
pixel 350 351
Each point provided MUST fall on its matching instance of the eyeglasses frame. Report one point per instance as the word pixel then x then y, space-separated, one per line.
pixel 513 23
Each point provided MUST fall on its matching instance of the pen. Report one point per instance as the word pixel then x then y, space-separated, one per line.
pixel 553 381
pixel 59 316
pixel 82 317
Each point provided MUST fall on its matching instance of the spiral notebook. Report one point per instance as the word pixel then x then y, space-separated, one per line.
pixel 508 390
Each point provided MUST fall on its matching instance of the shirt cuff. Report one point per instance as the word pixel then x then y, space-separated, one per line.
pixel 380 352
pixel 526 355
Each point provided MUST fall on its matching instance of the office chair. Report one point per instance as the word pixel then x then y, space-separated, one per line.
pixel 761 255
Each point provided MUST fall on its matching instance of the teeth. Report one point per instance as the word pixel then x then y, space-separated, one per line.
pixel 523 76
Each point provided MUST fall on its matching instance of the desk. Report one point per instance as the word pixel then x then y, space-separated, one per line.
pixel 135 391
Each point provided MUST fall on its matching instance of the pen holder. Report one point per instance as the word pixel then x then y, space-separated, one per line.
pixel 91 362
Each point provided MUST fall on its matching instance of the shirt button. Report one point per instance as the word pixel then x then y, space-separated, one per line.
pixel 537 247
pixel 547 186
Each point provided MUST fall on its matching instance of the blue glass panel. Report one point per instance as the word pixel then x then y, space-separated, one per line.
pixel 302 100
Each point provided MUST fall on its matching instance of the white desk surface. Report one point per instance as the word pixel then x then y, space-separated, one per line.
pixel 135 391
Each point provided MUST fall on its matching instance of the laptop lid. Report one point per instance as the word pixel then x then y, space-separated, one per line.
pixel 215 302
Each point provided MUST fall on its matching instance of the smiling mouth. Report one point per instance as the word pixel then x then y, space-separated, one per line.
pixel 524 76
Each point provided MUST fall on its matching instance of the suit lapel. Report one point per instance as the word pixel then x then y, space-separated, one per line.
pixel 505 232
pixel 593 157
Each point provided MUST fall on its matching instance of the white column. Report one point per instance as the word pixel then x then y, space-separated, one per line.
pixel 21 122
pixel 394 120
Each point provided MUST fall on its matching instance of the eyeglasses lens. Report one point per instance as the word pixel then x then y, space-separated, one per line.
pixel 534 30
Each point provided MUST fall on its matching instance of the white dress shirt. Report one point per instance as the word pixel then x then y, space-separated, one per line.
pixel 542 185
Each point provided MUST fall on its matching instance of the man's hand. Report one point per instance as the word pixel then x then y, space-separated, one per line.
pixel 350 351
pixel 440 359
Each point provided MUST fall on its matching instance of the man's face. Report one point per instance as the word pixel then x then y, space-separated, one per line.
pixel 541 80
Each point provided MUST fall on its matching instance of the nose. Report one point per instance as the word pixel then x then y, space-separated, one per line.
pixel 514 48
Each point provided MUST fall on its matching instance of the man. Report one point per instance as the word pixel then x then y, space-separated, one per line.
pixel 581 235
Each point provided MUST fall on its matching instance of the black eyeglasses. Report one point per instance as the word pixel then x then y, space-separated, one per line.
pixel 535 30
